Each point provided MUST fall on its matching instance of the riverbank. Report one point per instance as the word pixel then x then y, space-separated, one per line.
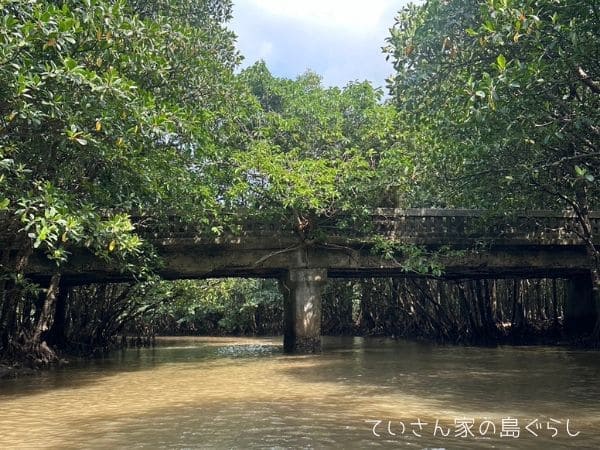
pixel 16 370
pixel 25 367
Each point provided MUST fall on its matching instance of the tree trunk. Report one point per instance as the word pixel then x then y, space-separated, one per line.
pixel 583 216
pixel 496 306
pixel 554 303
pixel 11 295
pixel 36 345
pixel 467 312
pixel 518 312
pixel 396 308
pixel 56 334
pixel 595 273
pixel 485 311
pixel 366 322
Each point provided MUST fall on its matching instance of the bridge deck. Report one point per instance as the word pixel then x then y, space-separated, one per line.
pixel 532 244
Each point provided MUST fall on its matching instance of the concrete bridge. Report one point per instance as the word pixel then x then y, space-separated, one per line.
pixel 525 245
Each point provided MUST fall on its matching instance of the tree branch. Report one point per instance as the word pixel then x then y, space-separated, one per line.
pixel 587 80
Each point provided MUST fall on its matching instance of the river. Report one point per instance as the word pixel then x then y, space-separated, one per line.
pixel 359 393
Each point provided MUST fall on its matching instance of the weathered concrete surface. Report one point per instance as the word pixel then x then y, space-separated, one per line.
pixel 580 313
pixel 272 257
pixel 301 290
pixel 527 244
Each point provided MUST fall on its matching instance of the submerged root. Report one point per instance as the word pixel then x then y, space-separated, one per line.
pixel 30 354
pixel 42 355
pixel 593 341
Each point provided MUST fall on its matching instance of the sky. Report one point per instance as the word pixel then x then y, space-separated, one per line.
pixel 341 40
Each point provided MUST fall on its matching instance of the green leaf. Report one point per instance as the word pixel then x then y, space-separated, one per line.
pixel 70 63
pixel 489 26
pixel 501 62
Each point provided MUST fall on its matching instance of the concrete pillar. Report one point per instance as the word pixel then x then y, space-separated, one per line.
pixel 579 312
pixel 301 289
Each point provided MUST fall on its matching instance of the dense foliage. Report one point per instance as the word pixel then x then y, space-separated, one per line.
pixel 105 111
pixel 319 156
pixel 506 94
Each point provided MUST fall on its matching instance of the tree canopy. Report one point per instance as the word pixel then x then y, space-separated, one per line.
pixel 113 107
pixel 316 152
pixel 506 92
pixel 110 109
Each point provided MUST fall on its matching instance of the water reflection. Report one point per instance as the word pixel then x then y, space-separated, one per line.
pixel 245 393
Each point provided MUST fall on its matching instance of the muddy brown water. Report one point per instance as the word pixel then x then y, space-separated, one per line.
pixel 245 393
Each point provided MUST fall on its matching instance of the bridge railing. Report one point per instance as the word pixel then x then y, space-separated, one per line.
pixel 467 223
pixel 449 224
pixel 173 226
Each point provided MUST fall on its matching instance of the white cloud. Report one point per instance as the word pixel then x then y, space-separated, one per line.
pixel 339 39
pixel 265 50
pixel 345 14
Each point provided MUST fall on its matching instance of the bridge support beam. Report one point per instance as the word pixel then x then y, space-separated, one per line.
pixel 580 313
pixel 301 289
